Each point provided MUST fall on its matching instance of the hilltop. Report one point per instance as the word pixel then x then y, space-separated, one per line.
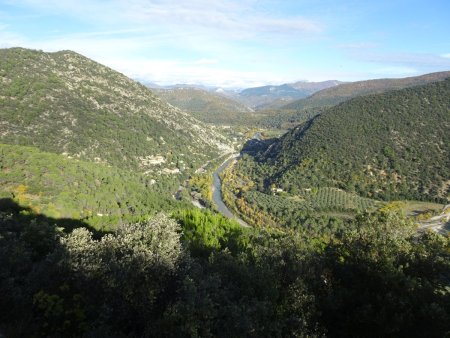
pixel 345 91
pixel 68 104
pixel 386 146
pixel 207 106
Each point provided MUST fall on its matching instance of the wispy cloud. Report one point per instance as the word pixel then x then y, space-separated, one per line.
pixel 135 35
pixel 175 71
pixel 232 42
pixel 239 18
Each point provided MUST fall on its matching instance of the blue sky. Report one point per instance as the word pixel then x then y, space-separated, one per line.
pixel 239 43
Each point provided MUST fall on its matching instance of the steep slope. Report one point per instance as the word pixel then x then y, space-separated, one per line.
pixel 277 96
pixel 207 106
pixel 65 103
pixel 390 145
pixel 345 91
pixel 58 187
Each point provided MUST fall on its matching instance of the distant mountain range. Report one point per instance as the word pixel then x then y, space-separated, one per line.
pixel 276 96
pixel 296 96
pixel 219 105
pixel 282 105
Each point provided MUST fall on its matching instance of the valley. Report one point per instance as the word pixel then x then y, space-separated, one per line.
pixel 293 168
pixel 305 209
pixel 216 190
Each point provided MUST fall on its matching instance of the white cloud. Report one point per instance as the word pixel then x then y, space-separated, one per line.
pixel 134 36
pixel 232 18
pixel 175 71
pixel 286 25
pixel 227 42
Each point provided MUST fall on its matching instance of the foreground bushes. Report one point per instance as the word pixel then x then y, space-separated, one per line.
pixel 209 277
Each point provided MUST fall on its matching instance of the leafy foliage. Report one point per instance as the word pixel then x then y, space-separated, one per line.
pixel 286 118
pixel 375 277
pixel 83 252
pixel 248 193
pixel 387 146
pixel 59 187
pixel 205 232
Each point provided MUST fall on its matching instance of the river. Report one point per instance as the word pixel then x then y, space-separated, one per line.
pixel 217 192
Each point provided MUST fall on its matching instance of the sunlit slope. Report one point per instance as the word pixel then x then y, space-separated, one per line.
pixel 66 103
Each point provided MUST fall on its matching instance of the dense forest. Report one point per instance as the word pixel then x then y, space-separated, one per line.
pixel 99 236
pixel 384 146
pixel 58 187
pixel 205 276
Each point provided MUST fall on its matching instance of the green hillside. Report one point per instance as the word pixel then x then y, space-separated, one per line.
pixel 65 103
pixel 92 243
pixel 345 91
pixel 58 187
pixel 385 146
pixel 205 106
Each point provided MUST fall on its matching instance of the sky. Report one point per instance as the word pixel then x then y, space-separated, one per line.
pixel 242 43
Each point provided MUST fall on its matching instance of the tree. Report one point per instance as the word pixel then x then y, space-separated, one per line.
pixel 119 278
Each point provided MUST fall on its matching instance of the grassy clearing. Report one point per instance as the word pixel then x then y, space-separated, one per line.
pixel 273 133
pixel 412 208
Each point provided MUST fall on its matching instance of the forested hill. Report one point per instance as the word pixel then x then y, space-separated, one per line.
pixel 206 106
pixel 66 103
pixel 390 145
pixel 345 91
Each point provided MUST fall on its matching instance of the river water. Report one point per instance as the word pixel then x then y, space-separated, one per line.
pixel 217 187
pixel 217 193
